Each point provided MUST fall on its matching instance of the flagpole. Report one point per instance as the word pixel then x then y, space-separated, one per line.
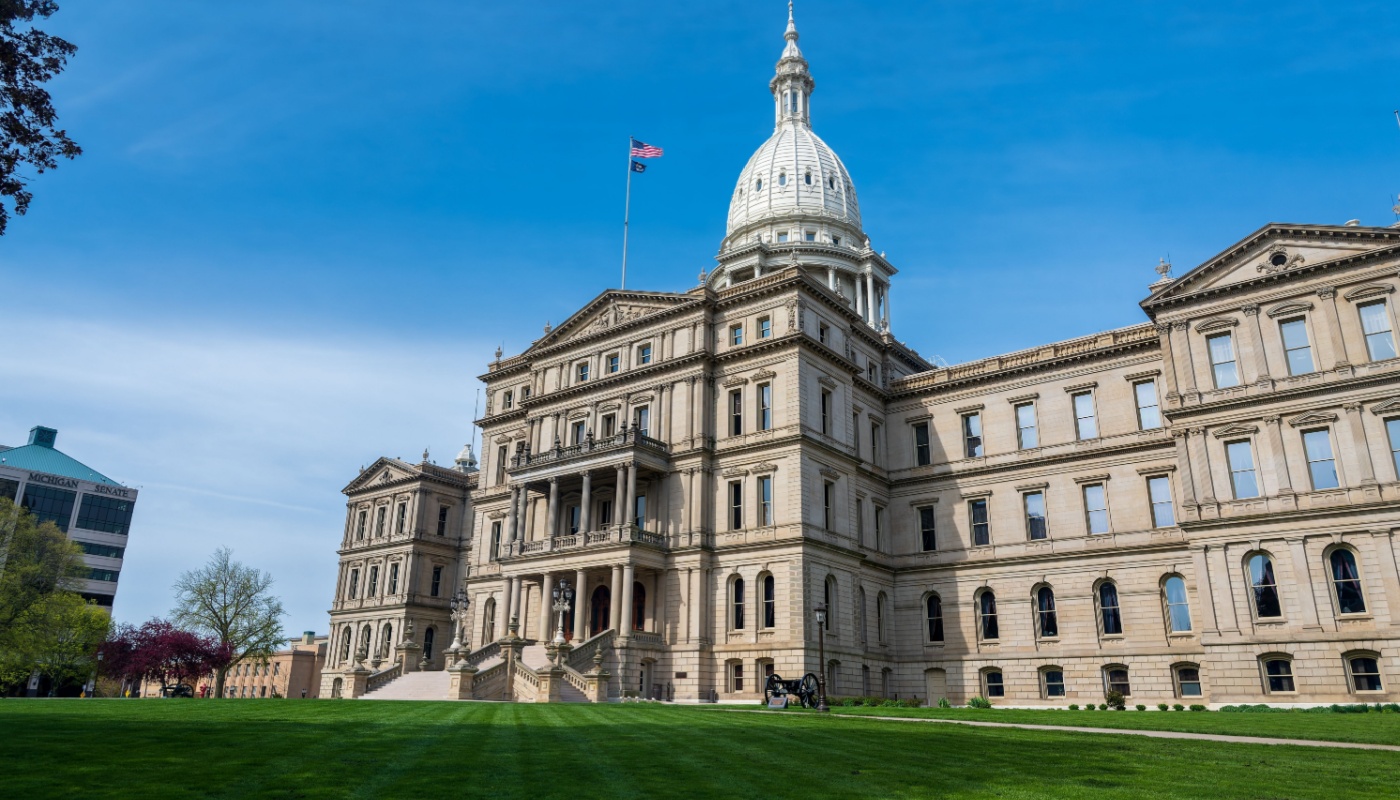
pixel 626 212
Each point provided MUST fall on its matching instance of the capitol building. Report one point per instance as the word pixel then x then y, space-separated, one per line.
pixel 1200 508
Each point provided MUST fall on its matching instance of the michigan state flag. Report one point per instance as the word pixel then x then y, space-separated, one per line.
pixel 638 166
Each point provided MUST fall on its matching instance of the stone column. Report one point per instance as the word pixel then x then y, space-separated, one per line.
pixel 1333 323
pixel 860 297
pixel 1280 459
pixel 666 397
pixel 520 519
pixel 685 500
pixel 870 299
pixel 502 613
pixel 615 599
pixel 690 417
pixel 687 601
pixel 506 604
pixel 631 494
pixel 1204 595
pixel 585 511
pixel 697 385
pixel 1164 338
pixel 581 607
pixel 887 306
pixel 512 521
pixel 1298 551
pixel 547 607
pixel 516 612
pixel 1183 458
pixel 553 516
pixel 1255 339
pixel 1358 444
pixel 1201 466
pixel 620 495
pixel 1390 573
pixel 628 576
pixel 1181 345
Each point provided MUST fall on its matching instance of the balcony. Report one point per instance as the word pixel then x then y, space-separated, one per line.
pixel 653 452
pixel 612 534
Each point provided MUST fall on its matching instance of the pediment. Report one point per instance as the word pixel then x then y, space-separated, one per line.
pixel 1277 249
pixel 383 472
pixel 1391 406
pixel 1313 418
pixel 1369 291
pixel 1290 308
pixel 1235 429
pixel 611 309
pixel 1216 324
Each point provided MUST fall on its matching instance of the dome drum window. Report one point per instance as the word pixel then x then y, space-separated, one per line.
pixel 782 179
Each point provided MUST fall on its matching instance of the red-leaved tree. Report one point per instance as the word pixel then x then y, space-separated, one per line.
pixel 159 651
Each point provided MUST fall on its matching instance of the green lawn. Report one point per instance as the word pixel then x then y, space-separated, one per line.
pixel 333 749
pixel 1371 728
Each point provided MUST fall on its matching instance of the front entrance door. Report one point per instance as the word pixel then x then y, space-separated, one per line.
pixel 600 616
pixel 936 683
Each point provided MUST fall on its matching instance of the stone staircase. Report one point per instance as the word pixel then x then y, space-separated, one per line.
pixel 413 686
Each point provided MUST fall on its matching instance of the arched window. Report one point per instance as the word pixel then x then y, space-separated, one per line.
pixel 600 607
pixel 1178 611
pixel 1346 582
pixel 1278 674
pixel 987 614
pixel 1053 681
pixel 992 685
pixel 1264 587
pixel 1365 672
pixel 428 643
pixel 865 680
pixel 770 602
pixel 737 602
pixel 488 623
pixel 934 608
pixel 830 599
pixel 1116 679
pixel 387 639
pixel 880 617
pixel 807 178
pixel 1109 610
pixel 861 615
pixel 1188 680
pixel 345 636
pixel 365 636
pixel 1045 612
pixel 639 606
pixel 758 185
pixel 782 179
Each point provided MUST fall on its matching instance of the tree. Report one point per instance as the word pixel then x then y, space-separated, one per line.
pixel 161 652
pixel 230 602
pixel 28 58
pixel 37 561
pixel 63 640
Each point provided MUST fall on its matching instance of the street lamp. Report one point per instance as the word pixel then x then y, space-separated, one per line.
pixel 563 601
pixel 821 651
pixel 458 604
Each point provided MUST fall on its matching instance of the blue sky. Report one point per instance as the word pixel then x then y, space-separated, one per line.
pixel 299 229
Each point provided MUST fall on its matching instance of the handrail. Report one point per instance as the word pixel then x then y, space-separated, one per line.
pixel 581 657
pixel 475 657
pixel 383 676
pixel 623 438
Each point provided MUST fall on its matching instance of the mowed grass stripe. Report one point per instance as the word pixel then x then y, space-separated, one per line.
pixel 325 749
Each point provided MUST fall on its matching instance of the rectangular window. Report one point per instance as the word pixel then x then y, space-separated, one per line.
pixel 580 432
pixel 782 237
pixel 1149 415
pixel 495 550
pixel 1096 507
pixel 106 514
pixel 583 372
pixel 103 550
pixel 1392 431
pixel 981 528
pixel 860 520
pixel 765 406
pixel 1296 348
pixel 96 574
pixel 922 454
pixel 1188 681
pixel 1035 515
pixel 1222 360
pixel 1375 323
pixel 972 435
pixel 926 528
pixel 765 327
pixel 1054 683
pixel 1026 434
pixel 402 518
pixel 644 354
pixel 614 363
pixel 49 505
pixel 1086 425
pixel 828 498
pixel 875 430
pixel 605 508
pixel 641 420
pixel 1159 491
pixel 736 676
pixel 360 525
pixel 826 412
pixel 855 433
pixel 379 516
pixel 609 425
pixel 501 455
pixel 575 515
pixel 1240 456
pixel 765 500
pixel 442 521
pixel 508 400
pixel 373 582
pixel 736 505
pixel 879 529
pixel 810 236
pixel 1322 468
pixel 736 413
pixel 437 581
pixel 9 489
pixel 823 332
pixel 394 577
pixel 639 511
pixel 354 583
pixel 736 335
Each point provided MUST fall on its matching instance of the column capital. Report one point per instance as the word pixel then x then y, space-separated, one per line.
pixel 1250 310
pixel 1272 419
pixel 1180 326
pixel 1352 407
pixel 1164 328
pixel 1327 292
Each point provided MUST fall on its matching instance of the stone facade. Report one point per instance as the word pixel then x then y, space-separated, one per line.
pixel 1199 508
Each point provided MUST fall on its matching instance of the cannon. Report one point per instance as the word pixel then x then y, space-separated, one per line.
pixel 804 689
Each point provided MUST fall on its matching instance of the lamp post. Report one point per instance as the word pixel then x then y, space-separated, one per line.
pixel 563 601
pixel 459 603
pixel 821 651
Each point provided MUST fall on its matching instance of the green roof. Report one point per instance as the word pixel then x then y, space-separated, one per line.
pixel 39 458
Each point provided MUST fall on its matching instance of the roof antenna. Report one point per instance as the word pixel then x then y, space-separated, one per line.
pixel 476 408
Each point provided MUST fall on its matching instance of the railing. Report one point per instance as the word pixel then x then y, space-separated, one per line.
pixel 627 437
pixel 526 683
pixel 383 676
pixel 488 682
pixel 576 679
pixel 619 533
pixel 581 657
pixel 479 655
pixel 646 638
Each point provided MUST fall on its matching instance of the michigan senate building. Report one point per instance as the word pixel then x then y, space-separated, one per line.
pixel 1200 508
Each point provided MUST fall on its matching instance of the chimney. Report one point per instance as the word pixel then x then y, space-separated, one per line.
pixel 308 637
pixel 44 437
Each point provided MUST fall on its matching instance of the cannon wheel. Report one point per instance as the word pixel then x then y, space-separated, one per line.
pixel 770 687
pixel 811 690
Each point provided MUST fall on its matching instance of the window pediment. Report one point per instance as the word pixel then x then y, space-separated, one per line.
pixel 1235 429
pixel 1216 324
pixel 737 380
pixel 764 374
pixel 1390 406
pixel 1290 308
pixel 827 381
pixel 1313 418
pixel 1369 291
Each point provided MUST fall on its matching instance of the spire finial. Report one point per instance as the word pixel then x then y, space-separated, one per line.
pixel 791 33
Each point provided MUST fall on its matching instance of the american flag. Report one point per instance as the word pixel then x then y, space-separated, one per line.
pixel 644 150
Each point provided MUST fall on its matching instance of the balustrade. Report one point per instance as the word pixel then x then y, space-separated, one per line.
pixel 627 437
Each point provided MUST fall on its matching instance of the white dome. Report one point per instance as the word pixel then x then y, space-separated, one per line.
pixel 793 173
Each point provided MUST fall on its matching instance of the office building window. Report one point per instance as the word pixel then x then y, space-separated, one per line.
pixel 1109 612
pixel 1046 622
pixel 1026 434
pixel 437 581
pixel 736 334
pixel 972 435
pixel 9 490
pixel 828 500
pixel 1096 507
pixel 99 574
pixel 644 354
pixel 1086 425
pixel 1346 582
pixel 582 372
pixel 1222 360
pixel 1188 681
pixel 1149 415
pixel 926 528
pixel 1243 480
pixel 1296 348
pixel 442 521
pixel 394 577
pixel 1264 587
pixel 765 406
pixel 1159 492
pixel 736 413
pixel 826 412
pixel 48 504
pixel 1375 324
pixel 765 500
pixel 981 527
pixel 103 550
pixel 1035 515
pixel 1178 609
pixel 401 517
pixel 1322 468
pixel 106 514
pixel 765 327
pixel 922 454
pixel 614 361
pixel 736 505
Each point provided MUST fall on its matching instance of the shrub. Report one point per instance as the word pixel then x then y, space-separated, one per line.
pixel 1090 707
pixel 1073 706
pixel 1178 707
pixel 1103 706
pixel 943 703
pixel 1161 706
pixel 1114 700
pixel 1140 707
pixel 1197 707
pixel 979 702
